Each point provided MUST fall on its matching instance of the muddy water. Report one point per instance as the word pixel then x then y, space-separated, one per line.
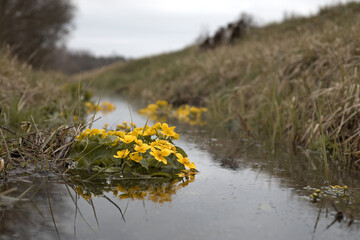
pixel 241 192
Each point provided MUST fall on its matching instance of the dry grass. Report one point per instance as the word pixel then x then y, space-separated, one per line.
pixel 36 116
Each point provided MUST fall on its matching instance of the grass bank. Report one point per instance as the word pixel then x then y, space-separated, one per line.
pixel 293 82
pixel 39 113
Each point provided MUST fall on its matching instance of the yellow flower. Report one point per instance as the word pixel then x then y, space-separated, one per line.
pixel 176 136
pixel 97 132
pixel 195 110
pixel 119 134
pixel 149 132
pixel 88 105
pixel 104 135
pixel 122 153
pixel 152 107
pixel 128 138
pixel 168 131
pixel 182 175
pixel 135 157
pixel 160 154
pixel 138 142
pixel 87 132
pixel 94 132
pixel 142 148
pixel 136 132
pixel 156 126
pixel 185 161
pixel 108 107
pixel 163 144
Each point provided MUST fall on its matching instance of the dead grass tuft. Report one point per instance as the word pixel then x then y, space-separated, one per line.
pixel 36 116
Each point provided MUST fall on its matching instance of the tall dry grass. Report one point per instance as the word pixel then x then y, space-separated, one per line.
pixel 36 115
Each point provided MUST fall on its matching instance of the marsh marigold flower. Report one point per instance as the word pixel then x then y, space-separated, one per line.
pixel 166 130
pixel 160 154
pixel 142 148
pixel 135 157
pixel 122 153
pixel 185 161
pixel 128 138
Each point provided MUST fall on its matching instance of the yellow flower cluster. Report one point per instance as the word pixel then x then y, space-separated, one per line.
pixel 125 126
pixel 91 107
pixel 91 132
pixel 191 115
pixel 161 111
pixel 140 144
pixel 105 107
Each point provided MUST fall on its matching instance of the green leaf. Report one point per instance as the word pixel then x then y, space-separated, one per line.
pixel 144 163
pixel 97 169
pixel 160 174
pixel 106 169
pixel 181 151
pixel 112 170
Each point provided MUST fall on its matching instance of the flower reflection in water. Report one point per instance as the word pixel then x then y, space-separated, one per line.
pixel 157 190
pixel 162 111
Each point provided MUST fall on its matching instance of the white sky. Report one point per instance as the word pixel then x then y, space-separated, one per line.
pixel 136 28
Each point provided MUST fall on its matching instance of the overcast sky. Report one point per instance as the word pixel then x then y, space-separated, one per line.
pixel 136 28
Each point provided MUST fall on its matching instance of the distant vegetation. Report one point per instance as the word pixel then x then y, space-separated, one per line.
pixel 35 30
pixel 229 34
pixel 72 61
pixel 294 82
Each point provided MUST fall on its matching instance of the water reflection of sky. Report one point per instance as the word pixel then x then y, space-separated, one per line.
pixel 222 203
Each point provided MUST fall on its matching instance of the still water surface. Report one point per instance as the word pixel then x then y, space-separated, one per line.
pixel 241 192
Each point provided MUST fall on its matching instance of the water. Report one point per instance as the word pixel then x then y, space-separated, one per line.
pixel 241 192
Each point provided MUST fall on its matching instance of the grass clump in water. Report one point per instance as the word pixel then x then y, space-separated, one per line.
pixel 39 117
